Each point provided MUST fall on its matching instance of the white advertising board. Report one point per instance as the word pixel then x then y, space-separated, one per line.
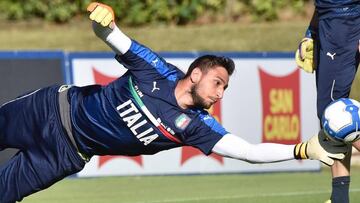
pixel 268 100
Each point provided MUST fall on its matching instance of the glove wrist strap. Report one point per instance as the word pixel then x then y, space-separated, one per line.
pixel 300 151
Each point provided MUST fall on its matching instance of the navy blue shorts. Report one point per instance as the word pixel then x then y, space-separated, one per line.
pixel 338 59
pixel 31 123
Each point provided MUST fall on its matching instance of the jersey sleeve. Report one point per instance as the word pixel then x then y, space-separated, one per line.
pixel 145 64
pixel 204 132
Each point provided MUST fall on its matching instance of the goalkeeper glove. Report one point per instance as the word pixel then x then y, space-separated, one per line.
pixel 102 14
pixel 102 17
pixel 103 24
pixel 319 147
pixel 304 55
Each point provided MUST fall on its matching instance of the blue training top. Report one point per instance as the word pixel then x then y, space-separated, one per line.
pixel 337 8
pixel 111 119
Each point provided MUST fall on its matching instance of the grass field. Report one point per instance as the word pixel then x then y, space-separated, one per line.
pixel 78 36
pixel 309 187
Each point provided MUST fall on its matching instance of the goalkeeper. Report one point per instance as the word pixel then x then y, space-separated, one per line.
pixel 331 49
pixel 153 107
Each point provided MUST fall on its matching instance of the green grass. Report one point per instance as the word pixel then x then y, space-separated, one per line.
pixel 78 36
pixel 254 188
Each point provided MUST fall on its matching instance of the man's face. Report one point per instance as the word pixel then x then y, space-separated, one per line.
pixel 209 87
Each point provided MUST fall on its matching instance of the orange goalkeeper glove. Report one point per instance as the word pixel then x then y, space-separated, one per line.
pixel 102 14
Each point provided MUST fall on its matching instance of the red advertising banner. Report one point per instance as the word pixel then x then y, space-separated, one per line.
pixel 281 107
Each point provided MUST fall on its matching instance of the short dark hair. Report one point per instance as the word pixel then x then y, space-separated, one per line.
pixel 207 62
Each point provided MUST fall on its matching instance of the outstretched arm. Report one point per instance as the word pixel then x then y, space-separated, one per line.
pixel 317 147
pixel 144 63
pixel 235 147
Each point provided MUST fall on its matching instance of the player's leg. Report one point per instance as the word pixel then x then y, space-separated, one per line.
pixel 339 58
pixel 340 172
pixel 32 124
pixel 41 165
pixel 31 171
pixel 16 122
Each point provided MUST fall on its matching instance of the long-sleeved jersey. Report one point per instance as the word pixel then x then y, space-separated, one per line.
pixel 138 113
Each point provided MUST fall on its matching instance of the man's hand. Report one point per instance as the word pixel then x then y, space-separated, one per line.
pixel 304 55
pixel 102 14
pixel 103 24
pixel 319 147
pixel 102 17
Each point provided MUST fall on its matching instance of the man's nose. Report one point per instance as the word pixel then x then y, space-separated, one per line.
pixel 220 93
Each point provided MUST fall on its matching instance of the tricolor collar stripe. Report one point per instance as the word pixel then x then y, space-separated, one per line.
pixel 148 114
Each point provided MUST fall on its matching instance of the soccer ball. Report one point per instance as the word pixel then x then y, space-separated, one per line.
pixel 341 120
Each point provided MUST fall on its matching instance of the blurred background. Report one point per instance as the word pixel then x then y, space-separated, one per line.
pixel 37 35
pixel 241 25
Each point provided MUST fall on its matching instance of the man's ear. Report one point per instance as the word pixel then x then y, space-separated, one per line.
pixel 195 75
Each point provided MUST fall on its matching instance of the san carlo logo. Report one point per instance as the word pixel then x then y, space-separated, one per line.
pixel 281 107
